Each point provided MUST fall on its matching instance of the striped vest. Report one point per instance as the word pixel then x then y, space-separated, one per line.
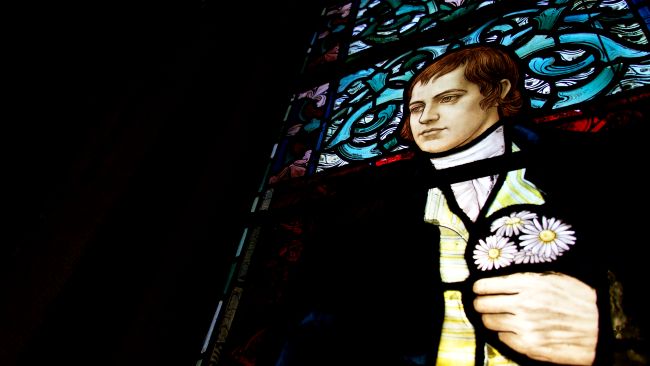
pixel 458 343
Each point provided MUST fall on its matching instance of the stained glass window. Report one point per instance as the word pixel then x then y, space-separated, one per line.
pixel 585 65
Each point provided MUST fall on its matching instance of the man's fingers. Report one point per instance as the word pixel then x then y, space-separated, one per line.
pixel 499 322
pixel 495 303
pixel 509 284
pixel 548 317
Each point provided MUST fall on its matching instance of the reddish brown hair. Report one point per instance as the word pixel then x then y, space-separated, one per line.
pixel 485 66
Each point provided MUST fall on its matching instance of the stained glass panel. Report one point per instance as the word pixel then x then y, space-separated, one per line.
pixel 255 335
pixel 382 22
pixel 303 125
pixel 328 40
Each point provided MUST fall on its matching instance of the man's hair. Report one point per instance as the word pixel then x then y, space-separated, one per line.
pixel 485 66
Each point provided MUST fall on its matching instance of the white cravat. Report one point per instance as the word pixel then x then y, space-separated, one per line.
pixel 472 194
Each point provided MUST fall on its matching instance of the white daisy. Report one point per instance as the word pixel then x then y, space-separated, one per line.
pixel 495 251
pixel 549 238
pixel 525 256
pixel 508 225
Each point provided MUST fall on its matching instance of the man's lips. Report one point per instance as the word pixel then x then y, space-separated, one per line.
pixel 431 131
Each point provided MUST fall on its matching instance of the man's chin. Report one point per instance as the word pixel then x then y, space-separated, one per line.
pixel 433 147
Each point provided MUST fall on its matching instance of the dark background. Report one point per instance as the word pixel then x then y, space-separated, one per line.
pixel 137 136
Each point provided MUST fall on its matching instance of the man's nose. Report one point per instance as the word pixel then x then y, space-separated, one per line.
pixel 429 114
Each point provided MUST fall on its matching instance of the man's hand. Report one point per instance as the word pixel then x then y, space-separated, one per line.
pixel 548 317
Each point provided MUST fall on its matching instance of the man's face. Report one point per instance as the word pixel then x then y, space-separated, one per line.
pixel 445 113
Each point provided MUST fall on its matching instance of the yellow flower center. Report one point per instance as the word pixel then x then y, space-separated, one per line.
pixel 513 221
pixel 494 253
pixel 547 236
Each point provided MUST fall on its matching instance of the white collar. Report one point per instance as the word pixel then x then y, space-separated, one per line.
pixel 492 145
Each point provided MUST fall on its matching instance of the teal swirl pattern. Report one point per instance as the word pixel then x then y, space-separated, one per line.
pixel 572 52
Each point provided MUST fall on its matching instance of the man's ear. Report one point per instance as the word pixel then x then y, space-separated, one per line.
pixel 505 86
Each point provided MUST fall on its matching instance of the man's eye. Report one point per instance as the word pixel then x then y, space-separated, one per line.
pixel 448 98
pixel 416 109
